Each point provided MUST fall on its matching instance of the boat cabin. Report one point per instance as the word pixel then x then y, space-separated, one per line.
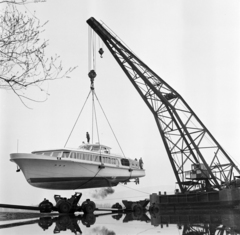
pixel 93 153
pixel 96 148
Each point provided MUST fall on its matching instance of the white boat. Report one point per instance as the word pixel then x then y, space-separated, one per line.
pixel 89 166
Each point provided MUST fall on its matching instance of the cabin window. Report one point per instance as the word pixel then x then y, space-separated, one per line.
pixel 56 154
pixel 97 159
pixel 85 156
pixel 95 148
pixel 125 162
pixel 73 155
pixel 40 153
pixel 47 153
pixel 87 147
pixel 80 156
pixel 104 160
pixel 109 160
pixel 65 154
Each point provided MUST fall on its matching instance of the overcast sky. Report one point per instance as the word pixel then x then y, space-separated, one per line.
pixel 193 45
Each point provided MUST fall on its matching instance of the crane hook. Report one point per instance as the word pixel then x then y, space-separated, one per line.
pixel 101 51
pixel 92 74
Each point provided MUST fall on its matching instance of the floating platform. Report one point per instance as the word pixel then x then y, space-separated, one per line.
pixel 229 198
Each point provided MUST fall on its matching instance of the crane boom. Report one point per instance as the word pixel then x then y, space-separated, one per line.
pixel 198 160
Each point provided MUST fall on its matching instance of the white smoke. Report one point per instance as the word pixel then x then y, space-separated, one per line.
pixel 102 193
pixel 103 231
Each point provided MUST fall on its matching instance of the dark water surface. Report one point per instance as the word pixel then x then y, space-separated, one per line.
pixel 210 222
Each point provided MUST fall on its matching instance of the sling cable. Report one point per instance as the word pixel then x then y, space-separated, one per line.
pixel 92 75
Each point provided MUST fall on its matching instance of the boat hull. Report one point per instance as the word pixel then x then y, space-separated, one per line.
pixel 67 174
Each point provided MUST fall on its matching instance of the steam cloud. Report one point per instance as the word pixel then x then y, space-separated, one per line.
pixel 102 193
pixel 103 231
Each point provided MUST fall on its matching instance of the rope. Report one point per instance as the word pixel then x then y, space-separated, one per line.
pixel 88 180
pixel 92 113
pixel 94 51
pixel 95 115
pixel 77 119
pixel 110 125
pixel 92 66
pixel 91 49
pixel 135 189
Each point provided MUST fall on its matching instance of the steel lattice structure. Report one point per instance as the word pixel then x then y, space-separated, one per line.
pixel 197 159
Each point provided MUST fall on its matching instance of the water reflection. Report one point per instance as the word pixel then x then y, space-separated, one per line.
pixel 188 222
pixel 200 222
pixel 62 222
pixel 67 222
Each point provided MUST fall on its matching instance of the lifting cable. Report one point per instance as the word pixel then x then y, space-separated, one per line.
pixel 94 115
pixel 109 125
pixel 92 74
pixel 88 180
pixel 123 185
pixel 77 119
pixel 91 49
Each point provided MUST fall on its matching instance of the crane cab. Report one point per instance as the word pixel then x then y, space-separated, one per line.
pixel 198 172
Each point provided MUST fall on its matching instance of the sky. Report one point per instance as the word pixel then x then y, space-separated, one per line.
pixel 193 45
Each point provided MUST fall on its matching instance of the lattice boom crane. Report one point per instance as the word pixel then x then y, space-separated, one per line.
pixel 198 160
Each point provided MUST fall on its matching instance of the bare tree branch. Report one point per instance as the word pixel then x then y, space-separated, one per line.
pixel 23 62
pixel 14 1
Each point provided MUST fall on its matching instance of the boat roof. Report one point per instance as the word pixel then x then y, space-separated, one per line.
pixel 84 146
pixel 94 145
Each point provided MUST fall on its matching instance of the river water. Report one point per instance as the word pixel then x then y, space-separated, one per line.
pixel 222 221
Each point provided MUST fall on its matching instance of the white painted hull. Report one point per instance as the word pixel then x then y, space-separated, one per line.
pixel 52 173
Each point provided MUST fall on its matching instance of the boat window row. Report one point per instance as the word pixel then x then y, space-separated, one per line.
pixel 81 156
pixel 93 157
pixel 84 156
pixel 59 154
pixel 90 157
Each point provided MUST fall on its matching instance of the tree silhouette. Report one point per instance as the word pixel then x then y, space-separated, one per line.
pixel 23 63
